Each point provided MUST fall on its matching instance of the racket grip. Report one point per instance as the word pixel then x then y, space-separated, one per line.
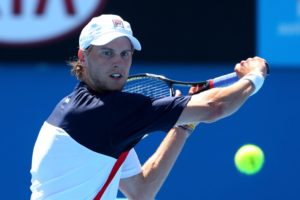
pixel 225 80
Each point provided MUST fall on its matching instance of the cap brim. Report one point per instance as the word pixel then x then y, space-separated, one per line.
pixel 104 39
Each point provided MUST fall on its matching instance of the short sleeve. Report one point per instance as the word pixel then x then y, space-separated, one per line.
pixel 131 165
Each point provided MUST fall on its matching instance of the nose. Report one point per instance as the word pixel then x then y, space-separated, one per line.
pixel 119 60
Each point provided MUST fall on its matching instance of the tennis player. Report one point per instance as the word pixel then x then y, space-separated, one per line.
pixel 85 149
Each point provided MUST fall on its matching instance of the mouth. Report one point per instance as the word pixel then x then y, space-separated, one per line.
pixel 116 76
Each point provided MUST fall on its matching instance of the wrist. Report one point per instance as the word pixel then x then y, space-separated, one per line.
pixel 187 128
pixel 256 78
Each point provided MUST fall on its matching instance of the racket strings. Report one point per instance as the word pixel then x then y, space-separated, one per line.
pixel 151 87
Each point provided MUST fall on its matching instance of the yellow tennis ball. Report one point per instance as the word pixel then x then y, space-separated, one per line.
pixel 249 159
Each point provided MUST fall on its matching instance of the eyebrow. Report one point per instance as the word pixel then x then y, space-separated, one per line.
pixel 107 48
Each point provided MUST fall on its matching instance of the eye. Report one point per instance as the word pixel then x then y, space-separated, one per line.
pixel 107 53
pixel 126 54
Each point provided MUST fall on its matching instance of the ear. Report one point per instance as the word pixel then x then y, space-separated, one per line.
pixel 80 55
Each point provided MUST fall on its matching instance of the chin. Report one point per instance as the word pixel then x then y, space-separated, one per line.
pixel 117 88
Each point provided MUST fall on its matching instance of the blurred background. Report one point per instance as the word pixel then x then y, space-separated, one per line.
pixel 186 40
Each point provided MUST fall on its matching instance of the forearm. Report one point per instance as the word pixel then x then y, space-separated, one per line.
pixel 159 165
pixel 216 103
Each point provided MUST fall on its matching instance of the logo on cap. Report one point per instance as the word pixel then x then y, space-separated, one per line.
pixel 26 22
pixel 118 23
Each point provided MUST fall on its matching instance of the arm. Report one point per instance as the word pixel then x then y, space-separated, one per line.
pixel 218 103
pixel 156 169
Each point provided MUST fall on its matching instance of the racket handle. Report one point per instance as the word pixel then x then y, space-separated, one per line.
pixel 224 80
pixel 228 79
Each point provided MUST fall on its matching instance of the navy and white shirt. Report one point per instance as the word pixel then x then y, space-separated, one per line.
pixel 85 134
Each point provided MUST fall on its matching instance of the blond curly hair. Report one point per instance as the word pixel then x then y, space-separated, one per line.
pixel 77 69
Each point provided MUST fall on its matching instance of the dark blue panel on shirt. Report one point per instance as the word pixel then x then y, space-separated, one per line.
pixel 113 122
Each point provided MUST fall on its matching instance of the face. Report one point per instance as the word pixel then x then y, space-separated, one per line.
pixel 106 67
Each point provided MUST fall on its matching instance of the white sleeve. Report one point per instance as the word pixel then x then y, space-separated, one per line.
pixel 131 165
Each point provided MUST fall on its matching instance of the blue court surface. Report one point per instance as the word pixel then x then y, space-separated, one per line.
pixel 204 170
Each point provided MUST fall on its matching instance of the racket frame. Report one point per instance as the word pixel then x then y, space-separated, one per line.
pixel 171 82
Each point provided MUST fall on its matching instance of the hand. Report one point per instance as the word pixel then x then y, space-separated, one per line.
pixel 194 89
pixel 256 65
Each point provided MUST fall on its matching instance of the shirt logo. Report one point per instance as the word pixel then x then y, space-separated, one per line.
pixel 26 21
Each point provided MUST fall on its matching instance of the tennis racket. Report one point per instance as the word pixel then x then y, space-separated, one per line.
pixel 158 86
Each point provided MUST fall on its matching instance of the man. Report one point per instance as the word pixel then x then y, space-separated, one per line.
pixel 82 149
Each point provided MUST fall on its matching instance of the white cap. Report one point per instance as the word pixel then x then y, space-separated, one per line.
pixel 105 28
